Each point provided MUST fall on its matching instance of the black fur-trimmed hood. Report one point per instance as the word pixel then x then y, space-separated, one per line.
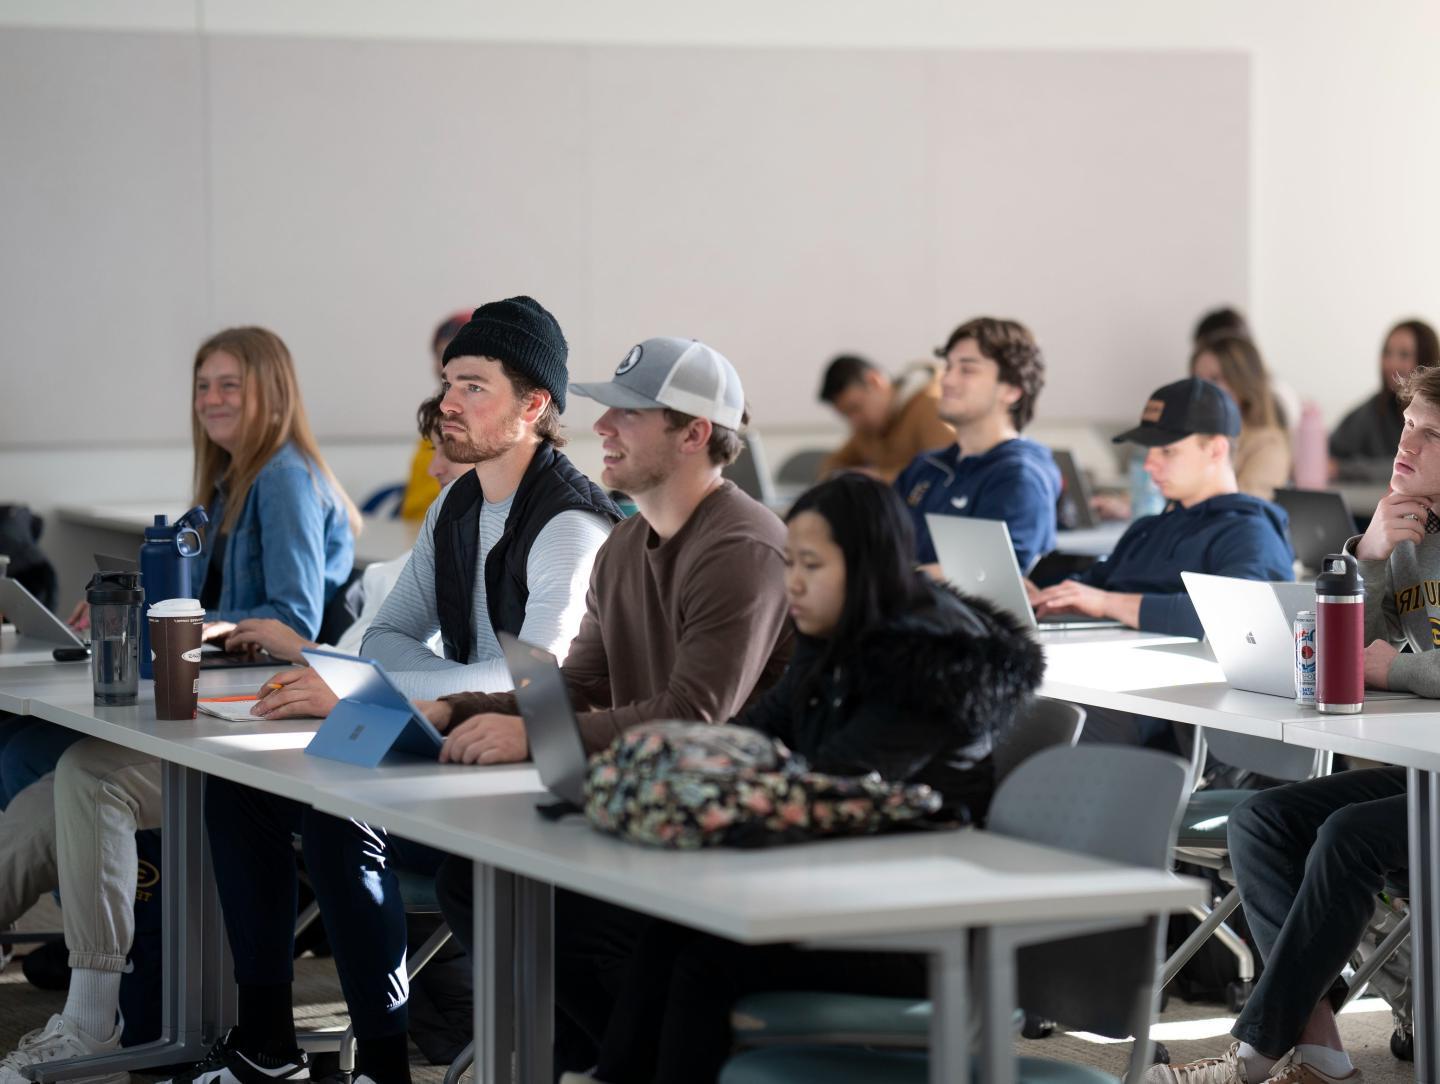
pixel 959 653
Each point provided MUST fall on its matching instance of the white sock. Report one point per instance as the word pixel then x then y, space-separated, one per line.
pixel 93 1002
pixel 1328 1060
pixel 1257 1065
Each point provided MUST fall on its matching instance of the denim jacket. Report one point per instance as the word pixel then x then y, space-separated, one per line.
pixel 290 548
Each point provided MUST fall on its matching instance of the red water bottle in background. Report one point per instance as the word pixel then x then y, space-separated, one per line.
pixel 1339 636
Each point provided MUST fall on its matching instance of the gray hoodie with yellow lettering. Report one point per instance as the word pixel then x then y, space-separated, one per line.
pixel 1402 606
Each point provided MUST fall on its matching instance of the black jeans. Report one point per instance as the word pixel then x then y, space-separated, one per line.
pixel 1309 859
pixel 352 869
pixel 594 942
pixel 672 1020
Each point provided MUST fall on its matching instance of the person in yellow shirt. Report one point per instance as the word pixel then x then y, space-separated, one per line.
pixel 421 488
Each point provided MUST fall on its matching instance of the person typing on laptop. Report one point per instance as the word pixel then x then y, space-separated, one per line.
pixel 1310 857
pixel 1188 429
pixel 685 619
pixel 993 375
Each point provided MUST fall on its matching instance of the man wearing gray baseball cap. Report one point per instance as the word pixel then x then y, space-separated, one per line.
pixel 686 619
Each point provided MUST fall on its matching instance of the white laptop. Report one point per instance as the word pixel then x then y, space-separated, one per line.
pixel 1249 625
pixel 977 557
pixel 31 618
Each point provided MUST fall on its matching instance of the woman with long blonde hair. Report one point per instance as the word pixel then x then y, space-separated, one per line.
pixel 1262 454
pixel 280 542
pixel 281 536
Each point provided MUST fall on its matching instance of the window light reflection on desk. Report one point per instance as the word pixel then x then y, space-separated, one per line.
pixel 265 741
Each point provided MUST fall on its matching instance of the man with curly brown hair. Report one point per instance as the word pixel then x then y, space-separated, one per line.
pixel 993 374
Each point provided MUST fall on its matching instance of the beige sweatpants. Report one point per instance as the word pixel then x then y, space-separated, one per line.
pixel 104 794
pixel 27 850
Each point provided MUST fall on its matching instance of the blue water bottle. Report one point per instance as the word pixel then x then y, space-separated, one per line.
pixel 167 568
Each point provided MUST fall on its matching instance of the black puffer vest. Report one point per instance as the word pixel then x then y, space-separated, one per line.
pixel 551 485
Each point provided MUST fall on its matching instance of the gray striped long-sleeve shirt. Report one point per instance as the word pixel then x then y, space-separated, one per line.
pixel 557 574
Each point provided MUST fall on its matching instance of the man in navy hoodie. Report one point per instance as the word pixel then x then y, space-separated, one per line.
pixel 993 374
pixel 1189 428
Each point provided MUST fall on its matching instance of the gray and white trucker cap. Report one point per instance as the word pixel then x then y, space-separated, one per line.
pixel 682 374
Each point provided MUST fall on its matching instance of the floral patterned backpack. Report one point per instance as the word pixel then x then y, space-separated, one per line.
pixel 692 785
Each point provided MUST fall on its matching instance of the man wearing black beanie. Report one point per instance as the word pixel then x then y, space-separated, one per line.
pixel 507 546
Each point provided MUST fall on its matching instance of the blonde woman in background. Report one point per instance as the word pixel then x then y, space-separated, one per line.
pixel 1263 453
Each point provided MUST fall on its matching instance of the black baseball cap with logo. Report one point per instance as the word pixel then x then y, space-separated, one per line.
pixel 1182 409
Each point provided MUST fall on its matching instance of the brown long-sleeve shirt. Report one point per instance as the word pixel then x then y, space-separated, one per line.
pixel 691 627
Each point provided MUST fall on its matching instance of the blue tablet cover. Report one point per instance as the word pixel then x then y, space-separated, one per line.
pixel 373 718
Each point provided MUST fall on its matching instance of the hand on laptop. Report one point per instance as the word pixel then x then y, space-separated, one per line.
pixel 292 694
pixel 1073 597
pixel 1378 657
pixel 267 634
pixel 216 630
pixel 487 738
pixel 79 618
pixel 1397 519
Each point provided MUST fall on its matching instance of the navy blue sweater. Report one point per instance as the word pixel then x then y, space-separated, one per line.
pixel 1016 481
pixel 1231 535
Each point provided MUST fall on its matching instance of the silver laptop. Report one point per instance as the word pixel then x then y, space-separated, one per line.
pixel 1320 523
pixel 976 556
pixel 31 618
pixel 1249 625
pixel 1074 511
pixel 550 724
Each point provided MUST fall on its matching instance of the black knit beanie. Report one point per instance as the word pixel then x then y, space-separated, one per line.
pixel 522 334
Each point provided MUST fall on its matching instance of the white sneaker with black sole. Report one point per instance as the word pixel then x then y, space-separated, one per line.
pixel 228 1064
pixel 59 1040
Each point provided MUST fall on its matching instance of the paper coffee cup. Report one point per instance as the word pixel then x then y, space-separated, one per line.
pixel 175 628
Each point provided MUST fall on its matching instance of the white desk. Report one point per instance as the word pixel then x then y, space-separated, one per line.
pixel 1092 541
pixel 925 891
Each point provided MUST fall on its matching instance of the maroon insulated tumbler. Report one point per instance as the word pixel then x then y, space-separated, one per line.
pixel 1339 636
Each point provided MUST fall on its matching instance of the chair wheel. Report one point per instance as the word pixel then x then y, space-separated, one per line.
pixel 1160 1055
pixel 1402 1045
pixel 1037 1027
pixel 1237 993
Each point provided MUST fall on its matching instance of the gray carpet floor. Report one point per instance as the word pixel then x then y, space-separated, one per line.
pixel 1190 1031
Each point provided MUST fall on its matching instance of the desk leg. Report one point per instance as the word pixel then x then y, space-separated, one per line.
pixel 534 979
pixel 1424 920
pixel 494 975
pixel 949 1021
pixel 192 1013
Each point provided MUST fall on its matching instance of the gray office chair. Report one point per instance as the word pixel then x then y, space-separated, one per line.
pixel 1202 841
pixel 1113 802
pixel 790 1016
pixel 802 468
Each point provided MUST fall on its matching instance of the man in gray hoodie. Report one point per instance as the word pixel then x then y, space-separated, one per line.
pixel 1310 857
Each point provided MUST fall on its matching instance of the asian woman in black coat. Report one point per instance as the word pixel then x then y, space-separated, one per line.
pixel 892 674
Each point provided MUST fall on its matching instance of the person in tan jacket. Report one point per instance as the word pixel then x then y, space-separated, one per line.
pixel 1262 454
pixel 891 421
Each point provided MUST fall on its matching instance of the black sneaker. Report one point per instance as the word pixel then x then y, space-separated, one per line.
pixel 228 1064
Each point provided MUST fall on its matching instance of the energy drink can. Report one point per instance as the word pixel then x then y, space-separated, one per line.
pixel 1305 658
